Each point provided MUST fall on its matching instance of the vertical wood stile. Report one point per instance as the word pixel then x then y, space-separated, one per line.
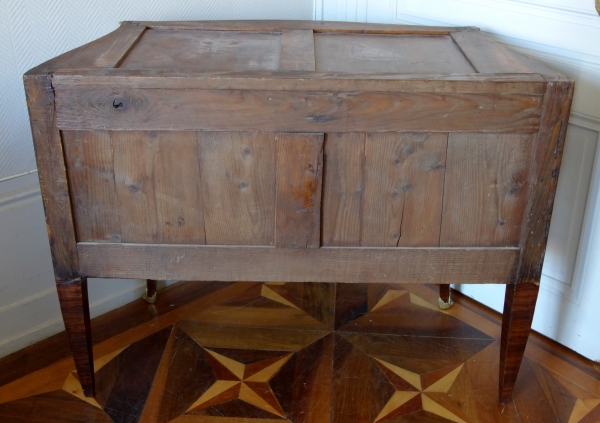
pixel 53 176
pixel 299 180
pixel 237 172
pixel 135 155
pixel 297 50
pixel 179 208
pixel 89 157
pixel 343 189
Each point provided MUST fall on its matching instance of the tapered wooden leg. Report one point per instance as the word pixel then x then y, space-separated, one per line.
pixel 445 300
pixel 75 309
pixel 519 305
pixel 150 296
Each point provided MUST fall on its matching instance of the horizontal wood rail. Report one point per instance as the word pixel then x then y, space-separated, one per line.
pixel 270 264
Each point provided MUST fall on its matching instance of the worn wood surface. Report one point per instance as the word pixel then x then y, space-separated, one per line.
pixel 121 47
pixel 498 83
pixel 343 186
pixel 177 188
pixel 404 183
pixel 318 26
pixel 134 156
pixel 297 50
pixel 249 110
pixel 53 176
pixel 237 172
pixel 90 164
pixel 548 149
pixel 418 265
pixel 298 190
pixel 387 53
pixel 489 56
pixel 205 51
pixel 74 305
pixel 486 189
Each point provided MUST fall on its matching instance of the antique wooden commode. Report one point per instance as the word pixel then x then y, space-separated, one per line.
pixel 298 151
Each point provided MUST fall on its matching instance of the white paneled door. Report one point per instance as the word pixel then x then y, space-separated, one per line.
pixel 565 34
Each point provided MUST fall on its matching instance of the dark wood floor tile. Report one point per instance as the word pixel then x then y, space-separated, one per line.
pixel 51 407
pixel 310 383
pixel 316 299
pixel 410 319
pixel 360 390
pixel 293 305
pixel 267 339
pixel 393 310
pixel 419 417
pixel 350 302
pixel 420 355
pixel 184 374
pixel 135 369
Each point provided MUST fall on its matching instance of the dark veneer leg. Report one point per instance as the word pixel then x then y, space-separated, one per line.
pixel 519 305
pixel 75 309
pixel 150 296
pixel 445 300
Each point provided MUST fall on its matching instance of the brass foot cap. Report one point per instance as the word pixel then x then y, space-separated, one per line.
pixel 445 305
pixel 149 300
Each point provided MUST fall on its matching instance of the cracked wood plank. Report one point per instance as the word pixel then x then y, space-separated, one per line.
pixel 403 189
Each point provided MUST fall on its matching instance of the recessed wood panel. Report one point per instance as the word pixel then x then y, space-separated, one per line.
pixel 371 53
pixel 238 187
pixel 486 189
pixel 89 157
pixel 205 51
pixel 383 190
pixel 404 176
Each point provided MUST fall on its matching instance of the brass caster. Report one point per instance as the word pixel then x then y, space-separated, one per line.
pixel 149 300
pixel 445 305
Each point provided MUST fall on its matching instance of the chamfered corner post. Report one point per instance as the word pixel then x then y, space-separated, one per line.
pixel 73 297
pixel 521 295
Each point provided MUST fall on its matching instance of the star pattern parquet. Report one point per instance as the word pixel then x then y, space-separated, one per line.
pixel 304 353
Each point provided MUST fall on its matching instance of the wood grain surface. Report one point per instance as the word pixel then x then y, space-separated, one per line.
pixel 298 191
pixel 90 164
pixel 414 265
pixel 486 189
pixel 52 173
pixel 297 50
pixel 249 110
pixel 238 173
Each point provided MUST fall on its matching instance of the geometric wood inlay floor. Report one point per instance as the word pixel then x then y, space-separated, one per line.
pixel 306 353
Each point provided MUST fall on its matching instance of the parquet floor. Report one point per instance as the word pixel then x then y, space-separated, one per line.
pixel 303 353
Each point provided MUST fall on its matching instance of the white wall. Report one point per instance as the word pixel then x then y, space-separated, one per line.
pixel 32 32
pixel 566 35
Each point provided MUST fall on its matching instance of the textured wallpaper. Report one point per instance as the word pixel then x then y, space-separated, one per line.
pixel 33 31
